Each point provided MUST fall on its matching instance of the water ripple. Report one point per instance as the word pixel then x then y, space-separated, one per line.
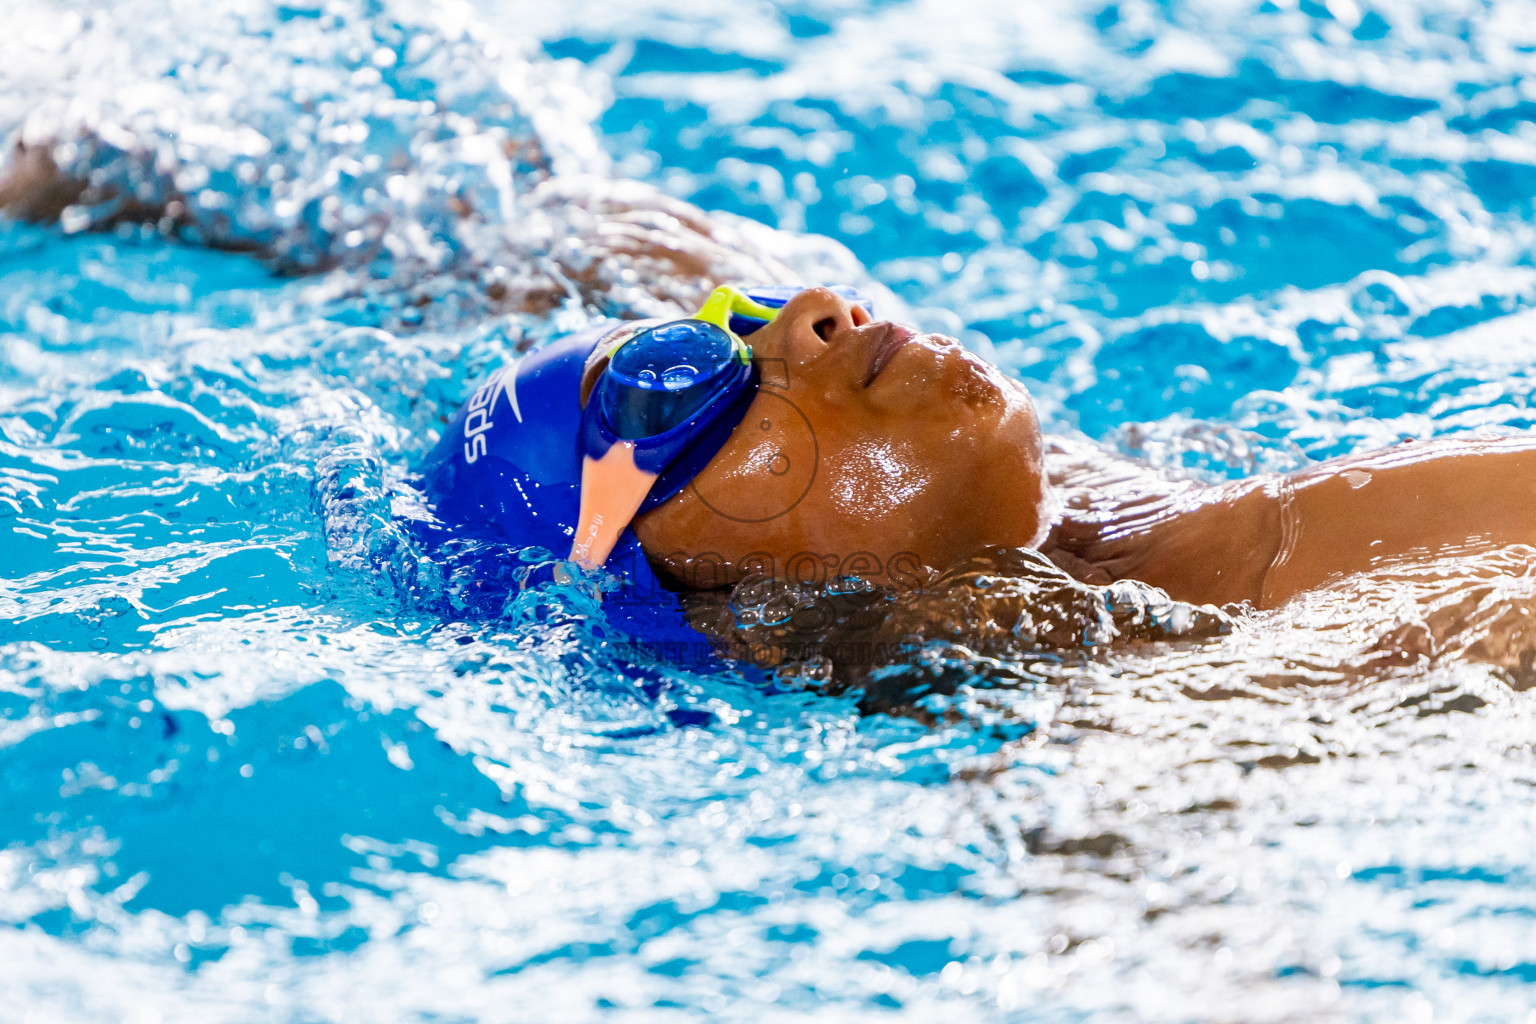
pixel 272 747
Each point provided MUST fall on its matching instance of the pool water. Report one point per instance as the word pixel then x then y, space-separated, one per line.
pixel 265 757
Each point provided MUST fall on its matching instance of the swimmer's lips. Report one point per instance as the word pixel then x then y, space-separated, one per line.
pixel 887 343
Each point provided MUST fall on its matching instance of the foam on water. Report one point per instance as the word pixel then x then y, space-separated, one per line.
pixel 264 756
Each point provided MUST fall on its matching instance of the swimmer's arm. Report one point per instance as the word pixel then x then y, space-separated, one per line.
pixel 1266 540
pixel 32 188
pixel 1122 519
pixel 1431 500
pixel 111 185
pixel 1208 545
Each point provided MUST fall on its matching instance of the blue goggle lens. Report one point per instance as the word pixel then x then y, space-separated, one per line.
pixel 662 376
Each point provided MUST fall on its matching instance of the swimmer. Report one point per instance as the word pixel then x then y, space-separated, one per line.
pixel 873 450
pixel 863 447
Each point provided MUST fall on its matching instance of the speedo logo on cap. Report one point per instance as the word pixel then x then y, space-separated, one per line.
pixel 477 415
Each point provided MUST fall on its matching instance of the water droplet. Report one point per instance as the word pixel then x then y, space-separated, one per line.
pixel 1357 478
pixel 1378 293
pixel 675 378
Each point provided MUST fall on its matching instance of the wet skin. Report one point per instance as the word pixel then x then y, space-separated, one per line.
pixel 876 451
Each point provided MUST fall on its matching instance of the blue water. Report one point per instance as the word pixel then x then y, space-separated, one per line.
pixel 264 757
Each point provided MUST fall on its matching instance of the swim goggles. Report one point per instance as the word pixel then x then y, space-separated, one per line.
pixel 661 398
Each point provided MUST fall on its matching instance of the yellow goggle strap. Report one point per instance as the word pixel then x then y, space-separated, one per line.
pixel 724 301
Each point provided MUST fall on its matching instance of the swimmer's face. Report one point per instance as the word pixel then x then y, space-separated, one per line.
pixel 868 450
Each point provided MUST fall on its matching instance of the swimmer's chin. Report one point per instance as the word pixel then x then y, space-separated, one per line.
pixel 932 367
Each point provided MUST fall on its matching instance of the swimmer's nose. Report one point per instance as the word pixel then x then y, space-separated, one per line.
pixel 823 313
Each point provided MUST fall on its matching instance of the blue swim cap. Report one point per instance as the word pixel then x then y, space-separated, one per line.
pixel 509 464
pixel 664 398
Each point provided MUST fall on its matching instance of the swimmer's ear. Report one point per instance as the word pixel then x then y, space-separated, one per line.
pixel 596 364
pixel 603 351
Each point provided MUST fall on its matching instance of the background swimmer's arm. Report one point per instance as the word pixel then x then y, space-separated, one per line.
pixel 1269 539
pixel 624 246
